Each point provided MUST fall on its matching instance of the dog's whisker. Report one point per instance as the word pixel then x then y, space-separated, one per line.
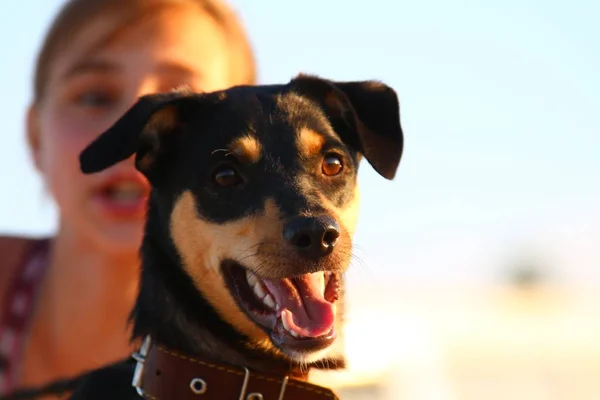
pixel 243 258
pixel 250 252
pixel 227 151
pixel 360 261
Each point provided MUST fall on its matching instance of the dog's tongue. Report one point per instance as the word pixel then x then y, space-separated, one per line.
pixel 302 303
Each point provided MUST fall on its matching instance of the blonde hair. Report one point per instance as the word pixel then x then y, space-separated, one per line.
pixel 76 14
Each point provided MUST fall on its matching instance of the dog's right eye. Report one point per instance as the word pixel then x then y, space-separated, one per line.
pixel 226 177
pixel 332 165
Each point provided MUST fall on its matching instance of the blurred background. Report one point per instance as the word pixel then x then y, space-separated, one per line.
pixel 479 265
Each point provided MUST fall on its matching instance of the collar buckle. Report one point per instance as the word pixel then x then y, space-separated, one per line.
pixel 140 358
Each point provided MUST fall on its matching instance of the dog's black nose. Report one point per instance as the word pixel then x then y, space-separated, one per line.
pixel 313 237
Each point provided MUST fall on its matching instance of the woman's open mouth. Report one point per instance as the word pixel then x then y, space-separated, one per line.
pixel 122 197
pixel 297 312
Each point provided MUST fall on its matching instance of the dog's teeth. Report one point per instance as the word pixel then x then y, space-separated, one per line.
pixel 259 290
pixel 288 329
pixel 269 301
pixel 252 279
pixel 322 281
pixel 285 325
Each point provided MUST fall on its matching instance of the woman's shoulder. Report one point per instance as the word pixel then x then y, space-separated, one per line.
pixel 13 250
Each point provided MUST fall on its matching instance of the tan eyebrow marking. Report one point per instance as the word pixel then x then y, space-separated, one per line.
pixel 247 148
pixel 310 142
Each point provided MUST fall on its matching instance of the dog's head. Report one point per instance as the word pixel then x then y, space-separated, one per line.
pixel 259 186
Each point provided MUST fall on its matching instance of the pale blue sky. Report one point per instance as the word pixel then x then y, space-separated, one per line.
pixel 499 103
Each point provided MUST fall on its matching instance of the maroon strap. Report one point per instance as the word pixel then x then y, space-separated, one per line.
pixel 18 309
pixel 166 374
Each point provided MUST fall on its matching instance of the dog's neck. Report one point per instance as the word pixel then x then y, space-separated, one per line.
pixel 170 309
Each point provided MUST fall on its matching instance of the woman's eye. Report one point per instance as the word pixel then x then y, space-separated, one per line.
pixel 227 177
pixel 94 99
pixel 332 165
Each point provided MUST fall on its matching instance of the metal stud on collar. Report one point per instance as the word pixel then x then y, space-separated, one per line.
pixel 198 386
pixel 259 396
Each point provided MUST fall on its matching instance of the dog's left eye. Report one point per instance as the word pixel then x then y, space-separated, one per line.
pixel 227 177
pixel 332 165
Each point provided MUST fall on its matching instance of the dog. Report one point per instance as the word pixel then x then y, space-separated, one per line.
pixel 254 201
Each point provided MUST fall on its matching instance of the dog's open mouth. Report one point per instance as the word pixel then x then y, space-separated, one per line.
pixel 298 312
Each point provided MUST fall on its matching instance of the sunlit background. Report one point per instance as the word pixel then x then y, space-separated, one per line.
pixel 479 271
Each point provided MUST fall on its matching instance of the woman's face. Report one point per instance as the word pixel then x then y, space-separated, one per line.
pixel 90 88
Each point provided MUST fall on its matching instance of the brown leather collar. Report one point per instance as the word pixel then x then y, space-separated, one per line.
pixel 163 374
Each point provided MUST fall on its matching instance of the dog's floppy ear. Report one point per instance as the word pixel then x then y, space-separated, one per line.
pixel 369 114
pixel 142 130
